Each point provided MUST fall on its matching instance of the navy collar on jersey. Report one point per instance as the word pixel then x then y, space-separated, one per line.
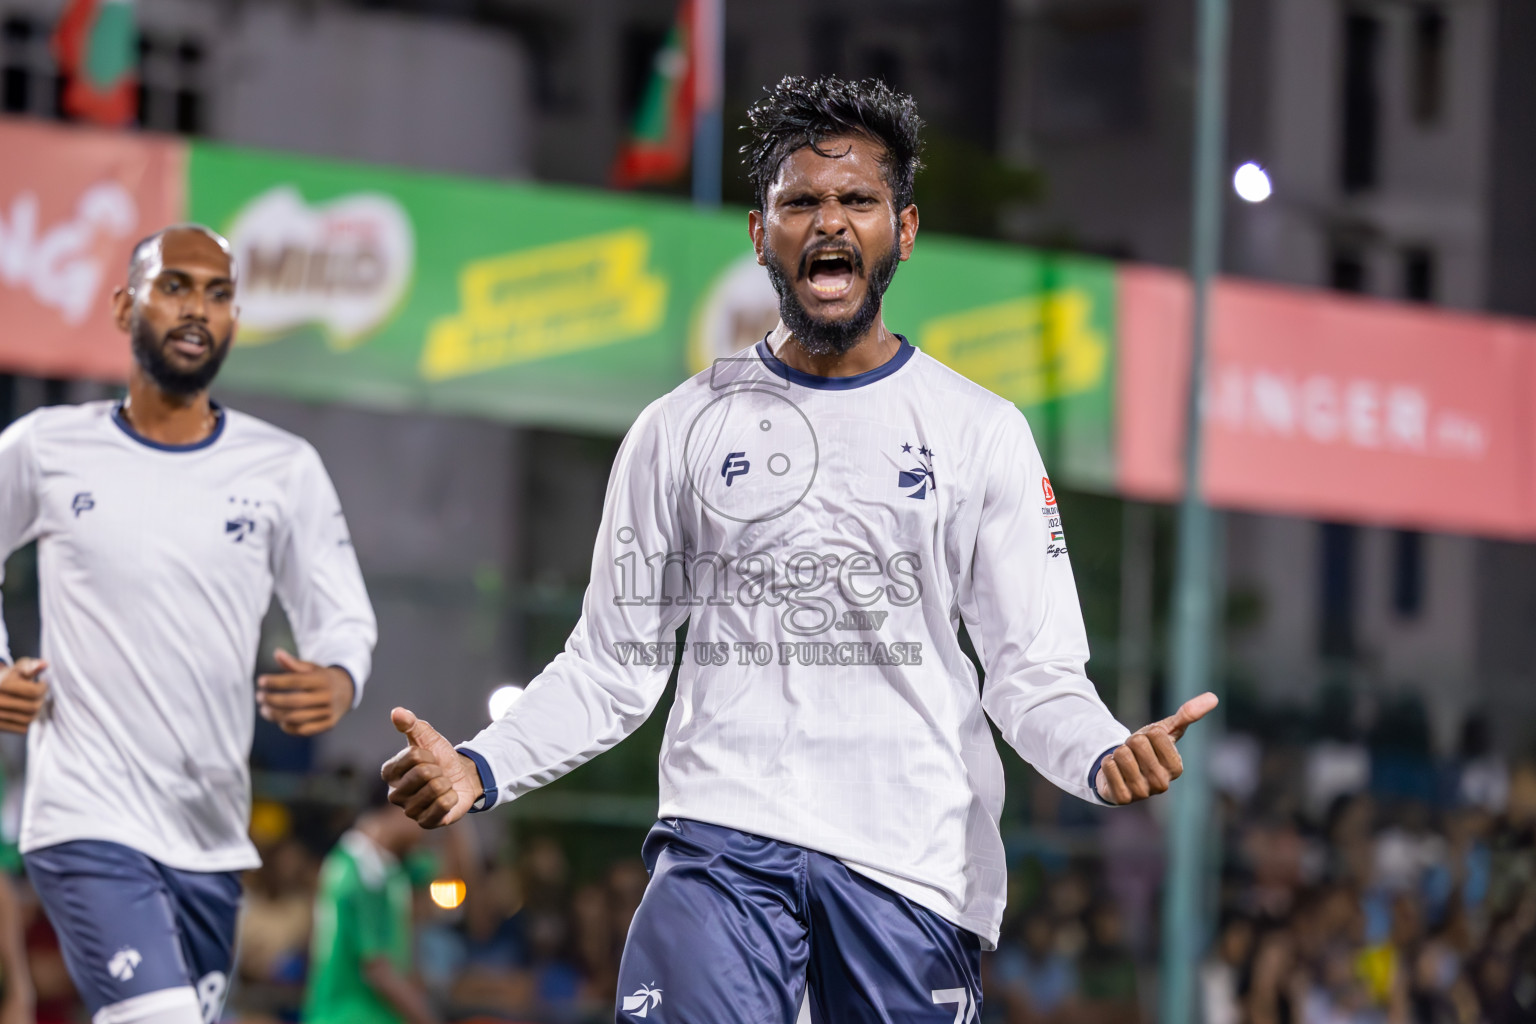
pixel 858 380
pixel 219 420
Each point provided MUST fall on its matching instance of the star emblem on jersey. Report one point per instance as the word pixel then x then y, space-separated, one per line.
pixel 643 1001
pixel 123 963
pixel 240 524
pixel 918 480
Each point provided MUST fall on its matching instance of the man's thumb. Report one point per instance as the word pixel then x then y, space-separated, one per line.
pixel 1190 712
pixel 288 662
pixel 30 667
pixel 417 731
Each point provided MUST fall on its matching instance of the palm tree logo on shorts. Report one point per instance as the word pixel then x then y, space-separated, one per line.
pixel 643 1001
pixel 123 962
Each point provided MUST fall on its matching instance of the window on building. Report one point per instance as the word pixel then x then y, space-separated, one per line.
pixel 1407 573
pixel 171 76
pixel 1419 274
pixel 1427 88
pixel 29 80
pixel 171 84
pixel 1347 269
pixel 1361 143
pixel 1092 70
pixel 1336 625
pixel 189 93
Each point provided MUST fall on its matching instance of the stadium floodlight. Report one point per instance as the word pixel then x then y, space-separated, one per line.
pixel 1252 183
pixel 502 698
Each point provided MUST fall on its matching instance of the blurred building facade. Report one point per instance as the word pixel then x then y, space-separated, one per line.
pixel 322 78
pixel 1398 137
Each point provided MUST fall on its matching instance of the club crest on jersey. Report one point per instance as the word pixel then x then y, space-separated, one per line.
pixel 918 480
pixel 240 522
pixel 83 502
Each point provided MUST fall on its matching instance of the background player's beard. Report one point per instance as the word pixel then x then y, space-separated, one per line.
pixel 830 337
pixel 149 353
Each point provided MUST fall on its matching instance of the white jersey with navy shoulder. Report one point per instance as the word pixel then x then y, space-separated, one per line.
pixel 826 538
pixel 156 565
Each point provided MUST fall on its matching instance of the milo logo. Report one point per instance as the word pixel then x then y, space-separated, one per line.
pixel 344 264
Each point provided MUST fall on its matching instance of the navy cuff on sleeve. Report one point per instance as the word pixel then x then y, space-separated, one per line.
pixel 487 780
pixel 1093 774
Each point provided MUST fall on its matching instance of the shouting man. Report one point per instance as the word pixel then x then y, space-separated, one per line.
pixel 825 513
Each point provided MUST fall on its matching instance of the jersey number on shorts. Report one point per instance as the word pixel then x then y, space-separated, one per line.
pixel 210 995
pixel 965 1010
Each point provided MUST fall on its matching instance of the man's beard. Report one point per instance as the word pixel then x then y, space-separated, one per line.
pixel 149 353
pixel 830 337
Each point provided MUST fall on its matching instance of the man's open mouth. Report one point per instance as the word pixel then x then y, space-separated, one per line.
pixel 831 274
pixel 189 341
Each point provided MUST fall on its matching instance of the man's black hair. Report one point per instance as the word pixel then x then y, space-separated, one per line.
pixel 799 112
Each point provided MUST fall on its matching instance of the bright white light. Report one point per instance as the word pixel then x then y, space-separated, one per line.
pixel 1252 183
pixel 502 699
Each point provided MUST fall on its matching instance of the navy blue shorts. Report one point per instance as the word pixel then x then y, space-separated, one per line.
pixel 738 928
pixel 129 925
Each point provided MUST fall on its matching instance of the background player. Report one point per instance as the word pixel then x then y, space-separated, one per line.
pixel 361 951
pixel 825 513
pixel 164 523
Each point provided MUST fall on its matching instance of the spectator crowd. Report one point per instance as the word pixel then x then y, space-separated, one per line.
pixel 1358 885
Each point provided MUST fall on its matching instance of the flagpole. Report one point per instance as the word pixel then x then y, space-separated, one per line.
pixel 708 123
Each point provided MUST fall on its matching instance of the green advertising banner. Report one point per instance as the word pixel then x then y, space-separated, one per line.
pixel 574 309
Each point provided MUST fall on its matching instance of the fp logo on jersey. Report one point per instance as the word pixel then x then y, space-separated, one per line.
pixel 735 465
pixel 83 503
pixel 779 439
pixel 643 1001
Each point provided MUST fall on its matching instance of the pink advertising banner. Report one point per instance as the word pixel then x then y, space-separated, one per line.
pixel 1332 407
pixel 72 204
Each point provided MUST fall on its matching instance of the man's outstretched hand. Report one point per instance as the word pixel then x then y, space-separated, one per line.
pixel 22 693
pixel 1148 761
pixel 435 784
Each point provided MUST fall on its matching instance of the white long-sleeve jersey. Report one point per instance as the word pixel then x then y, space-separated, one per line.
pixel 826 537
pixel 156 566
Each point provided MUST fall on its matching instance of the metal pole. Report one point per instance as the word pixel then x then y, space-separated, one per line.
pixel 1133 702
pixel 708 86
pixel 1186 927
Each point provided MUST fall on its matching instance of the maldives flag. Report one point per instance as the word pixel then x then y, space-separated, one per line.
pixel 97 47
pixel 661 137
